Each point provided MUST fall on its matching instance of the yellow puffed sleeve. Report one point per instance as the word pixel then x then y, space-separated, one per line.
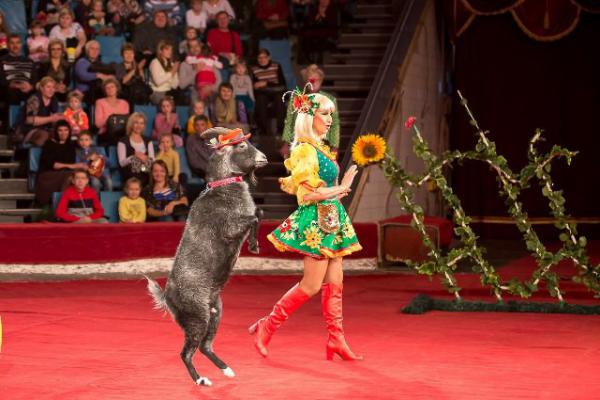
pixel 304 167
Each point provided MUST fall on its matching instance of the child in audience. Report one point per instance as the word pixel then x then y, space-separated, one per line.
pixel 166 121
pixel 88 154
pixel 79 203
pixel 169 156
pixel 4 32
pixel 132 207
pixel 191 34
pixel 37 42
pixel 242 86
pixel 197 110
pixel 206 78
pixel 74 114
pixel 97 20
pixel 195 16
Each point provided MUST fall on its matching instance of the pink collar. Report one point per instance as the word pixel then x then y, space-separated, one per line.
pixel 223 182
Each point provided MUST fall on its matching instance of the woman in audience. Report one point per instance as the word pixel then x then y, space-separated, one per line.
pixel 57 163
pixel 71 33
pixel 135 152
pixel 109 105
pixel 132 78
pixel 272 16
pixel 4 32
pixel 165 199
pixel 58 68
pixel 228 112
pixel 41 112
pixel 163 72
pixel 125 14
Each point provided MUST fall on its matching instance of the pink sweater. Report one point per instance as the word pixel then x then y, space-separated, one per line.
pixel 162 126
pixel 105 110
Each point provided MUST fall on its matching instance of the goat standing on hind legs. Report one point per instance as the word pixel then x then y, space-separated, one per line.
pixel 218 223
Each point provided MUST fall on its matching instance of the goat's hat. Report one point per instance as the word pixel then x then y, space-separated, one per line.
pixel 220 137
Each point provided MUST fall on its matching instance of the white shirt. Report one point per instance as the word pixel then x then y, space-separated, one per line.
pixel 161 80
pixel 195 20
pixel 222 5
pixel 57 33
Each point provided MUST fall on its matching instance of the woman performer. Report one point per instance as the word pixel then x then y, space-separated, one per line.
pixel 320 229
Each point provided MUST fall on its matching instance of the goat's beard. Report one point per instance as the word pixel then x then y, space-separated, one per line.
pixel 252 178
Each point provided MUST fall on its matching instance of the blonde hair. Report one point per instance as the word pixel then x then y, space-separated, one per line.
pixel 303 128
pixel 44 81
pixel 132 118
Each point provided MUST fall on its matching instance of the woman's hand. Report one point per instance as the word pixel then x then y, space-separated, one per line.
pixel 143 157
pixel 169 208
pixel 349 177
pixel 57 117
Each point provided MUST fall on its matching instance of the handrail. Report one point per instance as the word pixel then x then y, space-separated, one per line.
pixel 383 86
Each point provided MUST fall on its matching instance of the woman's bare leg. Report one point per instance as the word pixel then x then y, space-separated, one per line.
pixel 314 273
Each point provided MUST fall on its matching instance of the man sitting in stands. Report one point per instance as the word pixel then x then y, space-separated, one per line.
pixel 149 34
pixel 197 149
pixel 17 72
pixel 269 85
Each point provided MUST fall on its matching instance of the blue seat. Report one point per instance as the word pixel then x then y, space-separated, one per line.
pixel 281 52
pixel 110 203
pixel 34 165
pixel 112 162
pixel 15 114
pixel 55 199
pixel 183 114
pixel 110 48
pixel 186 170
pixel 150 113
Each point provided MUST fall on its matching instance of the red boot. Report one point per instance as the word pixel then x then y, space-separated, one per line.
pixel 265 327
pixel 331 302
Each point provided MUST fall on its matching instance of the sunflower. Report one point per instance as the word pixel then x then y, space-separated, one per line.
pixel 368 149
pixel 313 237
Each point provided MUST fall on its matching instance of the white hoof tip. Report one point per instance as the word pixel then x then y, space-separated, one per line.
pixel 204 381
pixel 228 372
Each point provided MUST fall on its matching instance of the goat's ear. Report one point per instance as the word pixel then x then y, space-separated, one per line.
pixel 223 150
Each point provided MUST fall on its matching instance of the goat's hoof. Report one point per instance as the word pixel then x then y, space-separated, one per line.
pixel 204 381
pixel 228 372
pixel 254 249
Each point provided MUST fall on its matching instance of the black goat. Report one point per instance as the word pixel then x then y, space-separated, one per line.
pixel 219 222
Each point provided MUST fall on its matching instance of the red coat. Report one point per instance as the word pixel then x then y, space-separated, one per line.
pixel 221 42
pixel 71 198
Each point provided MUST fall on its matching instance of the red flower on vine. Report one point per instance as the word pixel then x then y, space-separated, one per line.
pixel 409 122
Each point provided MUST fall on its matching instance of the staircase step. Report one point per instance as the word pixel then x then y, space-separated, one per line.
pixel 350 103
pixel 20 211
pixel 350 114
pixel 13 185
pixel 6 153
pixel 9 165
pixel 358 58
pixel 3 141
pixel 373 9
pixel 371 39
pixel 347 87
pixel 17 196
pixel 365 48
pixel 378 26
pixel 333 69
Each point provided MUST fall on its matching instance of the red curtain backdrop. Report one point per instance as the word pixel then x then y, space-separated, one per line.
pixel 543 20
pixel 515 85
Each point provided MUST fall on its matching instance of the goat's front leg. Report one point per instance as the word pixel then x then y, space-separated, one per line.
pixel 237 228
pixel 253 237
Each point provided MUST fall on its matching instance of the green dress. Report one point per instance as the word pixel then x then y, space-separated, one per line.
pixel 311 166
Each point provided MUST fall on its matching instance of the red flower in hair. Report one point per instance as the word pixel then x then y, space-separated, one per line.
pixel 409 122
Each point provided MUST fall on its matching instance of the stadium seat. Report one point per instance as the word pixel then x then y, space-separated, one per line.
pixel 34 165
pixel 110 48
pixel 150 113
pixel 183 114
pixel 55 200
pixel 112 163
pixel 281 52
pixel 185 169
pixel 110 203
pixel 15 114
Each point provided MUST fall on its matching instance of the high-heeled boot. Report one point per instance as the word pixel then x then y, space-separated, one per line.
pixel 331 302
pixel 265 327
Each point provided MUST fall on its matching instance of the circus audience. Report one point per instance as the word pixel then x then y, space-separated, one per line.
pixel 198 150
pixel 79 203
pixel 319 33
pixel 213 7
pixel 198 108
pixel 17 72
pixel 164 77
pixel 41 112
pixel 132 207
pixel 196 17
pixel 148 35
pixel 242 86
pixel 165 199
pixel 93 157
pixel 58 68
pixel 97 20
pixel 75 115
pixel 109 105
pixel 208 67
pixel 57 162
pixel 37 42
pixel 224 42
pixel 169 156
pixel 135 153
pixel 125 15
pixel 190 67
pixel 166 122
pixel 71 33
pixel 131 76
pixel 4 32
pixel 272 17
pixel 190 36
pixel 170 7
pixel 269 86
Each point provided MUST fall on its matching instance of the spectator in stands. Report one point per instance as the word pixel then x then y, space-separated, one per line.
pixel 170 7
pixel 272 16
pixel 135 152
pixel 198 109
pixel 208 67
pixel 314 75
pixel 87 80
pixel 57 162
pixel 37 42
pixel 191 35
pixel 242 86
pixel 82 13
pixel 75 115
pixel 41 112
pixel 125 14
pixel 91 156
pixel 148 35
pixel 165 199
pixel 17 72
pixel 58 68
pixel 132 77
pixel 189 68
pixel 319 33
pixel 97 20
pixel 213 7
pixel 71 33
pixel 169 156
pixel 164 77
pixel 225 43
pixel 50 9
pixel 132 207
pixel 79 203
pixel 4 32
pixel 166 122
pixel 226 111
pixel 196 17
pixel 269 86
pixel 109 105
pixel 299 14
pixel 197 149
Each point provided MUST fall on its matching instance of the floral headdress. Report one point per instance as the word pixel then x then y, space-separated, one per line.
pixel 301 101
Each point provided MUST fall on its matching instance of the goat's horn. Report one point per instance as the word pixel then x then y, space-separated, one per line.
pixel 214 132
